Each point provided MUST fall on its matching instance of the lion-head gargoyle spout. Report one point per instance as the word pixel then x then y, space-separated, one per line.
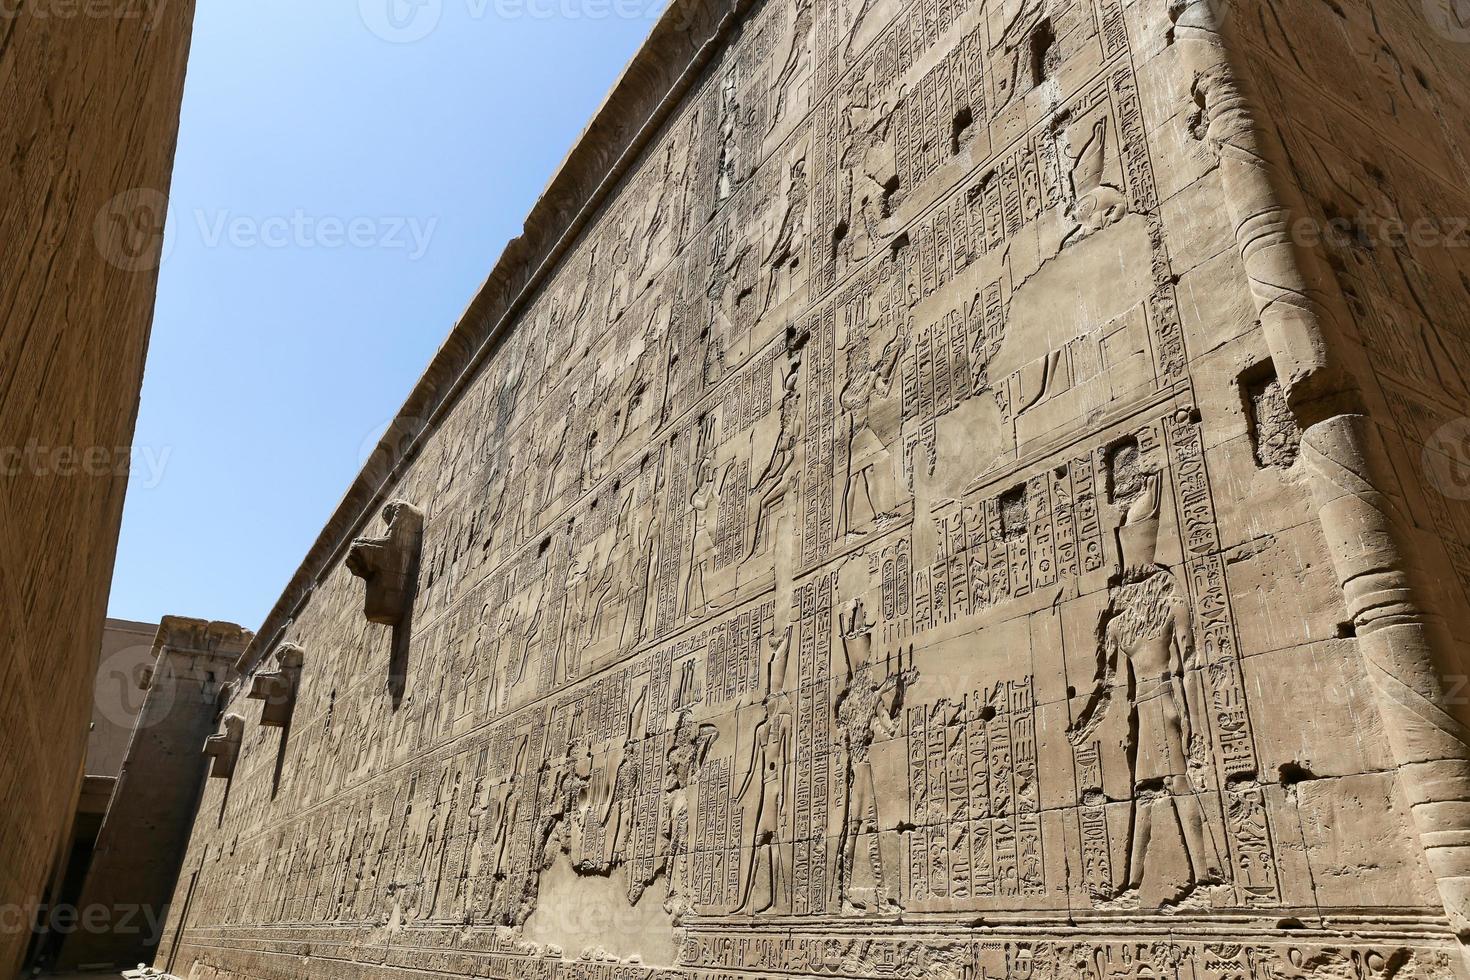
pixel 224 747
pixel 278 689
pixel 389 565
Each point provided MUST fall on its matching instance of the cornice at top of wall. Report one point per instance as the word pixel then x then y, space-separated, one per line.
pixel 683 41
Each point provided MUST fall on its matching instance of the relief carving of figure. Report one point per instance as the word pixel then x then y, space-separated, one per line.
pixel 691 744
pixel 704 505
pixel 785 254
pixel 617 795
pixel 554 454
pixel 728 167
pixel 527 625
pixel 803 19
pixel 564 781
pixel 1148 645
pixel 1095 203
pixel 780 473
pixel 869 172
pixel 868 497
pixel 507 808
pixel 1008 55
pixel 763 794
pixel 867 712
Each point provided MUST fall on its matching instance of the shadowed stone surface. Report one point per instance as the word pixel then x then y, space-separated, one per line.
pixel 89 104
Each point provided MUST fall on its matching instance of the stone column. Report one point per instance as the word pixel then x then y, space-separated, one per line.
pixel 146 831
pixel 1307 330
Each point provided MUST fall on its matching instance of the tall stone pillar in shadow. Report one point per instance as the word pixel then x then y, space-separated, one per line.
pixel 139 849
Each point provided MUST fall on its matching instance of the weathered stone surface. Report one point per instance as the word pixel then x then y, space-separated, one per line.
pixel 89 102
pixel 922 515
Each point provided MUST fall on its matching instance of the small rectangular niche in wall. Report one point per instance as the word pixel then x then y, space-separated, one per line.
pixel 1275 437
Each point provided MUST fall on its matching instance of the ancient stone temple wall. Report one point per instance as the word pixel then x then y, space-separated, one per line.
pixel 907 527
pixel 89 112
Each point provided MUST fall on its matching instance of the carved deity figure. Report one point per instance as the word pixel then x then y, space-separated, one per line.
pixel 1148 644
pixel 728 167
pixel 527 626
pixel 555 452
pixel 507 809
pixel 867 497
pixel 726 265
pixel 803 18
pixel 867 712
pixel 704 507
pixel 869 171
pixel 763 793
pixel 786 251
pixel 780 473
pixel 1096 204
pixel 566 659
pixel 690 745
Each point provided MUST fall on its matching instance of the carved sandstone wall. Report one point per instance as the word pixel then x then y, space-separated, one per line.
pixel 920 517
pixel 89 108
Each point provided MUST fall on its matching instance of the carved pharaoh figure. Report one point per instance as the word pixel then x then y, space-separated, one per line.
pixel 780 472
pixel 763 793
pixel 869 491
pixel 1148 644
pixel 867 712
pixel 803 18
pixel 786 252
pixel 869 171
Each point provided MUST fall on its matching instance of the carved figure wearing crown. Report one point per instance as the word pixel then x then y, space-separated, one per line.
pixel 1096 204
pixel 763 792
pixel 1148 643
pixel 867 712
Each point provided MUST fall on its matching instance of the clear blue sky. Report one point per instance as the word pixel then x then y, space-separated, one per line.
pixel 337 200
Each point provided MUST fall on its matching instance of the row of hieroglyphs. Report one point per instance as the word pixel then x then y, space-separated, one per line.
pixel 774 959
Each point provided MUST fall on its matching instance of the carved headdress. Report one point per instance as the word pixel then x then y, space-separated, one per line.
pixel 1138 535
